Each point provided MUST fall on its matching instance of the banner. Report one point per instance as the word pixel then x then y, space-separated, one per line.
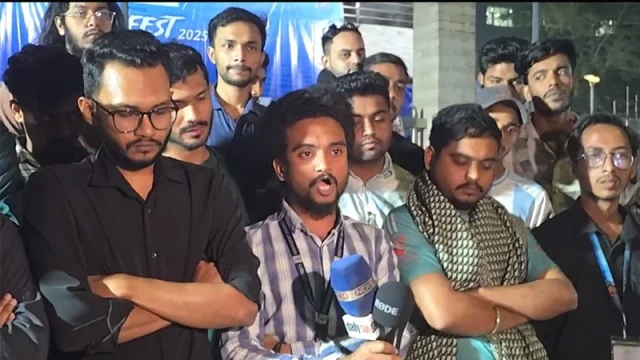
pixel 294 32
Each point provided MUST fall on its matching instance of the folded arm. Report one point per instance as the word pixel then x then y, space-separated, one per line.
pixel 27 336
pixel 80 320
pixel 549 296
pixel 458 313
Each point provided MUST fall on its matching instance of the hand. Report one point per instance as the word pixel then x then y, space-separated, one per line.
pixel 206 272
pixel 270 341
pixel 375 350
pixel 107 286
pixel 7 304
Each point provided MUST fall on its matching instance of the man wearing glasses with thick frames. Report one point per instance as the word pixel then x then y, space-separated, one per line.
pixel 595 243
pixel 138 254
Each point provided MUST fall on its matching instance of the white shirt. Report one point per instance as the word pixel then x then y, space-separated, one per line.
pixel 522 198
pixel 371 202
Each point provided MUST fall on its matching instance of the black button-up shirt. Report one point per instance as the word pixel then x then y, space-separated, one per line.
pixel 27 336
pixel 85 219
pixel 585 333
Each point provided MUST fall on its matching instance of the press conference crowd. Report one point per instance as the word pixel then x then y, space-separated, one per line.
pixel 150 214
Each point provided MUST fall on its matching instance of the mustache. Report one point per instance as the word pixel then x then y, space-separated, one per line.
pixel 553 92
pixel 93 31
pixel 238 67
pixel 607 178
pixel 370 139
pixel 194 124
pixel 471 184
pixel 143 140
pixel 323 177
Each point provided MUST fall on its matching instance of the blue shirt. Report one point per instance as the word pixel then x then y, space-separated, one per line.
pixel 417 257
pixel 224 126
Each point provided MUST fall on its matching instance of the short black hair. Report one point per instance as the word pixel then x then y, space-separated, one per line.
pixel 500 50
pixel 574 144
pixel 49 34
pixel 265 62
pixel 333 31
pixel 363 83
pixel 311 102
pixel 232 15
pixel 456 122
pixel 543 49
pixel 42 77
pixel 134 48
pixel 384 58
pixel 185 61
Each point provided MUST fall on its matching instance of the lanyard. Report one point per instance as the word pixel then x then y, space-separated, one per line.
pixel 321 309
pixel 608 277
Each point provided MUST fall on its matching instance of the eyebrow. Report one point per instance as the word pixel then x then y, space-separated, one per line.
pixel 305 145
pixel 554 69
pixel 134 107
pixel 472 158
pixel 195 96
pixel 372 115
pixel 622 147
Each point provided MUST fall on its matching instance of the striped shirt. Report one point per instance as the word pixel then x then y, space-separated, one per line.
pixel 284 310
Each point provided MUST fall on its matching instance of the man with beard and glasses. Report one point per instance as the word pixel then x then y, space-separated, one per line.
pixel 595 243
pixel 309 132
pixel 476 272
pixel 376 185
pixel 47 118
pixel 190 92
pixel 236 46
pixel 539 153
pixel 136 254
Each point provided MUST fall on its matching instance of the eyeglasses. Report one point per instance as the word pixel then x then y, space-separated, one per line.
pixel 102 15
pixel 595 159
pixel 128 120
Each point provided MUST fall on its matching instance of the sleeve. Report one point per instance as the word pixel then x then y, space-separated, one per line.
pixel 542 210
pixel 27 336
pixel 386 268
pixel 228 247
pixel 416 256
pixel 539 262
pixel 11 180
pixel 80 320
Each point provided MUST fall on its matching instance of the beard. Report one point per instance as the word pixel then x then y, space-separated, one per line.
pixel 120 157
pixel 175 138
pixel 240 83
pixel 301 196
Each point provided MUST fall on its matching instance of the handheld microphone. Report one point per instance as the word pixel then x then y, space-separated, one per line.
pixel 392 309
pixel 354 285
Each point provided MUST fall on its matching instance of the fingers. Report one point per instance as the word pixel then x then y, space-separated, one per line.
pixel 7 304
pixel 380 347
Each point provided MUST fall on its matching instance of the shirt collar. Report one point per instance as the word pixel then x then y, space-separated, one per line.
pixel 587 226
pixel 248 107
pixel 25 156
pixel 106 173
pixel 387 170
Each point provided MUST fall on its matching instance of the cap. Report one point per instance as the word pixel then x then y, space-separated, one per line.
pixel 489 96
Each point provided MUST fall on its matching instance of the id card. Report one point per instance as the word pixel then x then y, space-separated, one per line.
pixel 625 349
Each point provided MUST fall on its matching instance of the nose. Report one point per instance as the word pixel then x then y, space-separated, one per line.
pixel 608 166
pixel 320 163
pixel 367 128
pixel 145 129
pixel 188 113
pixel 553 80
pixel 91 20
pixel 239 54
pixel 473 172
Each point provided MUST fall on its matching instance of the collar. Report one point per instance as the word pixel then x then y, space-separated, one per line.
pixel 249 106
pixel 25 156
pixel 587 226
pixel 291 217
pixel 387 170
pixel 106 173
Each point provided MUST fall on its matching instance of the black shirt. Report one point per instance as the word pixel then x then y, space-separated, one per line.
pixel 585 333
pixel 85 219
pixel 27 336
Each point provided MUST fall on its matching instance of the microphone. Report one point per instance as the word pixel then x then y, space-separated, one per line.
pixel 392 309
pixel 354 285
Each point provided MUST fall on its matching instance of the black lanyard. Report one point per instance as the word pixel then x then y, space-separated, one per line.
pixel 321 309
pixel 608 276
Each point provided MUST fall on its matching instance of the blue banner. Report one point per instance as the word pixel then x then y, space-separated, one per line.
pixel 294 32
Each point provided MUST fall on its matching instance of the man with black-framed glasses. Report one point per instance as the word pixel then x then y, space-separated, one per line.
pixel 137 254
pixel 595 243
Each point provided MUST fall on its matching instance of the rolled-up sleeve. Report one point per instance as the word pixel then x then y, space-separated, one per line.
pixel 80 320
pixel 228 248
pixel 27 336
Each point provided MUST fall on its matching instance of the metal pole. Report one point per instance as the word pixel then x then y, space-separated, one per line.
pixel 614 107
pixel 635 105
pixel 535 22
pixel 591 97
pixel 628 101
pixel 125 11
